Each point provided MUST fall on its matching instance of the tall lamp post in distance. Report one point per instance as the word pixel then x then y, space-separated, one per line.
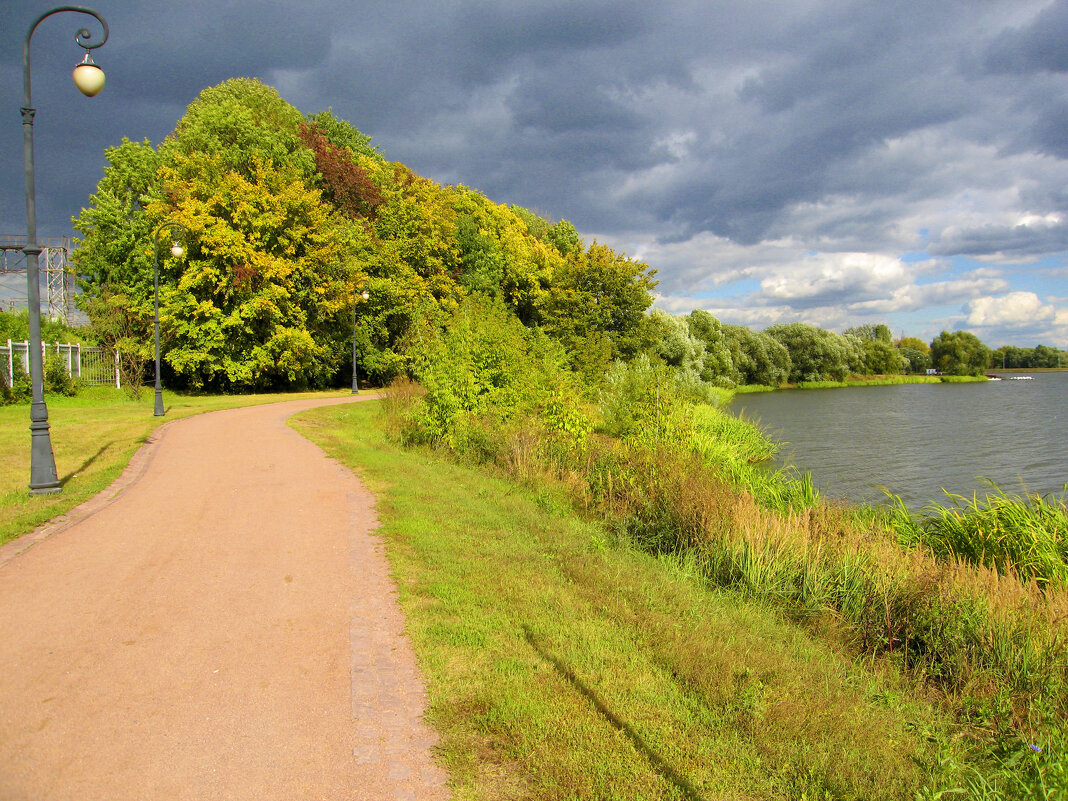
pixel 176 251
pixel 89 79
pixel 355 383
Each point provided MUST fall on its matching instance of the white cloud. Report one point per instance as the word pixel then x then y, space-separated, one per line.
pixel 1016 309
pixel 1021 318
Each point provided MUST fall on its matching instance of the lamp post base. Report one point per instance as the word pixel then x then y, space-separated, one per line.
pixel 43 477
pixel 159 412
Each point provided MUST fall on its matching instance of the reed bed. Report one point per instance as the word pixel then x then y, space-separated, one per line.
pixel 1027 534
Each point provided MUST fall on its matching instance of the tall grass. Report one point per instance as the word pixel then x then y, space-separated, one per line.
pixel 1026 535
pixel 693 481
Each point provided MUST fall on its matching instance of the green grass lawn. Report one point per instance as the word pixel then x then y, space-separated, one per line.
pixel 94 435
pixel 561 664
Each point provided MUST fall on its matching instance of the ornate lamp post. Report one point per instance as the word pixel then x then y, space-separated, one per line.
pixel 176 251
pixel 89 79
pixel 355 384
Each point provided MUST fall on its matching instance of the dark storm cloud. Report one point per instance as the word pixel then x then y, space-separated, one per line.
pixel 837 126
pixel 1035 47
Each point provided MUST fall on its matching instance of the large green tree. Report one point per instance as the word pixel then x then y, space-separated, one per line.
pixel 959 353
pixel 815 353
pixel 289 219
pixel 757 357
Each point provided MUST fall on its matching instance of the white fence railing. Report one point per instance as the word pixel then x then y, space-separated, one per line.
pixel 89 364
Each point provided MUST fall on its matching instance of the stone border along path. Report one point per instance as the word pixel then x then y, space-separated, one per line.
pixel 219 624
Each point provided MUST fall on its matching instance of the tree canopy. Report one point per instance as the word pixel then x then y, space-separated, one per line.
pixel 288 219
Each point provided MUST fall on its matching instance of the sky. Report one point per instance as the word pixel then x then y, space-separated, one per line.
pixel 835 163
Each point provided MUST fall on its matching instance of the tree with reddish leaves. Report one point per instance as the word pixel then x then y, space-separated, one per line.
pixel 345 183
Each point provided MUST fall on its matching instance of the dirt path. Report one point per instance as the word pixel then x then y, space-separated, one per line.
pixel 225 628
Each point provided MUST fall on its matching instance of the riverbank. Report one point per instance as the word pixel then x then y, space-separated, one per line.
pixel 563 662
pixel 865 381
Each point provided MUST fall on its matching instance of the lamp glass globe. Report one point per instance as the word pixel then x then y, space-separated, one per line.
pixel 89 78
pixel 177 250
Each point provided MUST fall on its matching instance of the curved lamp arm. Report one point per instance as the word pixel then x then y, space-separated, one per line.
pixel 84 39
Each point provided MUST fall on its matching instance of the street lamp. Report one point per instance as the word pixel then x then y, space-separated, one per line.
pixel 355 384
pixel 176 251
pixel 89 79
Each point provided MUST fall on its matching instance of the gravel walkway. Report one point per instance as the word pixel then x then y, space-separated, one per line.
pixel 221 624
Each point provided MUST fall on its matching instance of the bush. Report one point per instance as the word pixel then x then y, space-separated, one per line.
pixel 57 380
pixel 19 390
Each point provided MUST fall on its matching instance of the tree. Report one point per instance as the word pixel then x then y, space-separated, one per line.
pixel 716 365
pixel 959 353
pixel 344 182
pixel 564 238
pixel 757 358
pixel 916 361
pixel 815 353
pixel 243 123
pixel 342 134
pixel 267 283
pixel 598 290
pixel 913 342
pixel 882 358
pixel 1045 356
pixel 114 249
pixel 871 333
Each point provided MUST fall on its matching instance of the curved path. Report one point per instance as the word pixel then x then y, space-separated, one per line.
pixel 224 628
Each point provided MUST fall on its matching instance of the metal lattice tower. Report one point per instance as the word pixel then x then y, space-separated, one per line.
pixel 55 274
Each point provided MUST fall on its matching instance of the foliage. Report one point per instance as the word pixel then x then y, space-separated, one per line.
pixel 15 325
pixel 639 401
pixel 243 124
pixel 914 343
pixel 959 353
pixel 916 361
pixel 345 183
pixel 1010 357
pixel 597 290
pixel 1024 535
pixel 482 370
pixel 536 225
pixel 815 354
pixel 20 389
pixel 882 358
pixel 268 271
pixel 122 326
pixel 756 357
pixel 342 134
pixel 870 333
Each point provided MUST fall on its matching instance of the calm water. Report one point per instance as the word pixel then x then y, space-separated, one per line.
pixel 917 439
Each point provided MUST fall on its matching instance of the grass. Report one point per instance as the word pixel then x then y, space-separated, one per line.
pixel 94 435
pixel 1026 535
pixel 562 663
pixel 889 380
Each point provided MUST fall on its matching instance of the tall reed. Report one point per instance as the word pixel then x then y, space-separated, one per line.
pixel 1027 535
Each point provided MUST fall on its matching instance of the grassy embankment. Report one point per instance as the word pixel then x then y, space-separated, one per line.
pixel 94 435
pixel 989 643
pixel 563 663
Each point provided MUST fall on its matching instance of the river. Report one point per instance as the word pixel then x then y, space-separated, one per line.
pixel 918 439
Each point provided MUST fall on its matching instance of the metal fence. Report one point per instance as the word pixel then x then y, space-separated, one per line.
pixel 91 365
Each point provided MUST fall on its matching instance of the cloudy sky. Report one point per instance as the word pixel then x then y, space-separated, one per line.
pixel 833 162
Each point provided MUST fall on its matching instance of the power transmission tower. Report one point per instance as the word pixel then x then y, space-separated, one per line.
pixel 55 273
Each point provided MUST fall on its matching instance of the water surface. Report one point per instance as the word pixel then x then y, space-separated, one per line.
pixel 917 439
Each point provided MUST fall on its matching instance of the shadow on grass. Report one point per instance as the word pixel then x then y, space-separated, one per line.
pixel 85 465
pixel 658 763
